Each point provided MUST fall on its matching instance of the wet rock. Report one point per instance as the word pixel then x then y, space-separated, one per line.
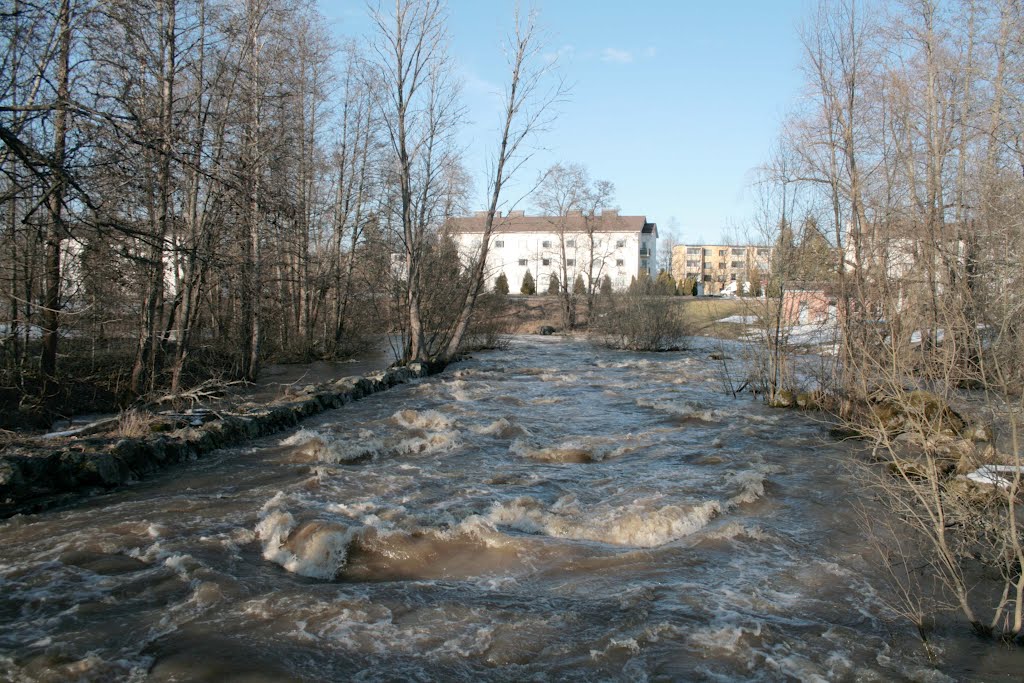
pixel 935 411
pixel 783 399
pixel 108 564
pixel 980 433
pixel 807 400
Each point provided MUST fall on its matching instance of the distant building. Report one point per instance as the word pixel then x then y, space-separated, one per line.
pixel 620 247
pixel 722 268
pixel 808 306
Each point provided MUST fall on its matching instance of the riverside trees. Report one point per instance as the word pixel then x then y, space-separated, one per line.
pixel 907 154
pixel 191 186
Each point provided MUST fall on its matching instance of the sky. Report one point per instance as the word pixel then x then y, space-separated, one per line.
pixel 675 102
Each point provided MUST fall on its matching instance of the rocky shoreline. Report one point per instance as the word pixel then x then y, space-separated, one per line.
pixel 42 473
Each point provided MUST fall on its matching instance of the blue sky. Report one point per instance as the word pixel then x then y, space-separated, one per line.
pixel 674 102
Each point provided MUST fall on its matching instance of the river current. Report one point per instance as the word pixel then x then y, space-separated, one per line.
pixel 554 511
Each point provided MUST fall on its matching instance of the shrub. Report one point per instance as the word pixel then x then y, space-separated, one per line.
pixel 501 285
pixel 553 284
pixel 606 286
pixel 665 285
pixel 528 287
pixel 579 288
pixel 639 323
pixel 689 287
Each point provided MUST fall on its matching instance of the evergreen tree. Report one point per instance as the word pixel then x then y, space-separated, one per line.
pixel 606 286
pixel 501 284
pixel 578 286
pixel 553 284
pixel 665 285
pixel 641 284
pixel 688 287
pixel 528 288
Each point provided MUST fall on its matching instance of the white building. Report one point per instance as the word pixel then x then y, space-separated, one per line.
pixel 575 244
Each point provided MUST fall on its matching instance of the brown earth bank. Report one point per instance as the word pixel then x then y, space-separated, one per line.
pixel 40 472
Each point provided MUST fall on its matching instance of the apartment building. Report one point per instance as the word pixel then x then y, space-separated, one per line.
pixel 606 244
pixel 722 268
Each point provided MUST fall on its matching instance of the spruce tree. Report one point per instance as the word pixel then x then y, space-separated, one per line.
pixel 578 286
pixel 553 284
pixel 606 286
pixel 528 288
pixel 665 285
pixel 501 284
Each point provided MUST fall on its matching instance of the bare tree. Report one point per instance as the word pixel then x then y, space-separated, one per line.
pixel 528 107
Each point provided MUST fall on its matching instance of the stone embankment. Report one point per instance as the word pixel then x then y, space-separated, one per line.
pixel 38 474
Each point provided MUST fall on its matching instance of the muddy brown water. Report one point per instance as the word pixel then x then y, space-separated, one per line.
pixel 550 512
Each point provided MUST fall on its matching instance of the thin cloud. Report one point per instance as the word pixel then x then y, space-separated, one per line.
pixel 562 53
pixel 616 56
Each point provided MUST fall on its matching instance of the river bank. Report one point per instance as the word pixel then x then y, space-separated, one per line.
pixel 46 471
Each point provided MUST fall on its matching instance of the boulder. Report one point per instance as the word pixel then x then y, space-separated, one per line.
pixel 783 399
pixel 545 330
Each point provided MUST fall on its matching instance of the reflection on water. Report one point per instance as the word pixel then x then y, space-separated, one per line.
pixel 551 512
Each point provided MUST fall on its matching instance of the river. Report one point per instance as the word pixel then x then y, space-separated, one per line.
pixel 554 511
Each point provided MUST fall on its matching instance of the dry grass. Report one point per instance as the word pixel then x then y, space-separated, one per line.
pixel 703 313
pixel 133 424
pixel 699 314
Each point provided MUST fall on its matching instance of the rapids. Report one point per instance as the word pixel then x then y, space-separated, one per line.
pixel 554 511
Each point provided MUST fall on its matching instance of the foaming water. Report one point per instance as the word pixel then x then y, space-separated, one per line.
pixel 551 512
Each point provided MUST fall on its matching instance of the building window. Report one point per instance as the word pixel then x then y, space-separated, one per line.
pixel 522 262
pixel 620 263
pixel 738 252
pixel 708 252
pixel 762 252
pixel 733 277
pixel 498 244
pixel 643 263
pixel 723 252
pixel 737 264
pixel 693 264
pixel 546 244
pixel 619 244
pixel 721 266
pixel 545 262
pixel 570 262
pixel 693 250
pixel 571 244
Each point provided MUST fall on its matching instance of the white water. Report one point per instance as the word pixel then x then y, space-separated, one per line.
pixel 553 512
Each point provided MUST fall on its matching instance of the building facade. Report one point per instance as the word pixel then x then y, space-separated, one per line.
pixel 722 268
pixel 620 247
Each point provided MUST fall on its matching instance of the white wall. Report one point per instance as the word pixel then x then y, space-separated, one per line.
pixel 616 254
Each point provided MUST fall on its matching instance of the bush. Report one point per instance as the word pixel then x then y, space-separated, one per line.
pixel 689 287
pixel 579 288
pixel 553 284
pixel 528 287
pixel 665 284
pixel 639 323
pixel 606 286
pixel 501 285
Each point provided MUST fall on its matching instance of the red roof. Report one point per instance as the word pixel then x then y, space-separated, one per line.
pixel 577 223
